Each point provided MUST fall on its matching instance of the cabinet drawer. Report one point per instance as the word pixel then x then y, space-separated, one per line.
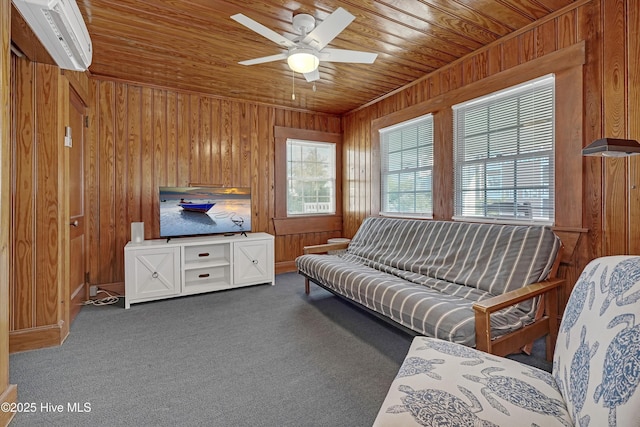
pixel 206 279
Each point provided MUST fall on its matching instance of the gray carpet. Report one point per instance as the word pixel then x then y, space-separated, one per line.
pixel 257 356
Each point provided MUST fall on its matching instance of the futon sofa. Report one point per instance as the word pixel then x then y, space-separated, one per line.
pixel 480 285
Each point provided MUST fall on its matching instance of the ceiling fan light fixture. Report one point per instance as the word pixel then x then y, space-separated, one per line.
pixel 303 60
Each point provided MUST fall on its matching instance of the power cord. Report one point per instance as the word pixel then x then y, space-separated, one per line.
pixel 108 300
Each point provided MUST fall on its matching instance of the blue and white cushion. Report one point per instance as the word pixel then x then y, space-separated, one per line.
pixel 595 377
pixel 453 385
pixel 597 358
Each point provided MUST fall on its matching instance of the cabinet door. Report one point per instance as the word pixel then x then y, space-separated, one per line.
pixel 152 273
pixel 252 262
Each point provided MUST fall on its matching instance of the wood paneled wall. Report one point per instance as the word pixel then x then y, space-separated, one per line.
pixel 8 392
pixel 38 203
pixel 38 206
pixel 610 31
pixel 142 137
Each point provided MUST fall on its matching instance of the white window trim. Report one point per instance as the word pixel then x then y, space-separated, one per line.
pixel 333 202
pixel 484 99
pixel 387 130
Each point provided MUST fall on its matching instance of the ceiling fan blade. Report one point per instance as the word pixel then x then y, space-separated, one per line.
pixel 262 30
pixel 264 59
pixel 343 55
pixel 312 76
pixel 329 29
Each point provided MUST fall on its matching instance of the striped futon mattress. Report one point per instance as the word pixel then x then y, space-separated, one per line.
pixel 425 275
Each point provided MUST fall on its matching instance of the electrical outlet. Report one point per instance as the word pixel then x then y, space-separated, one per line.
pixel 93 291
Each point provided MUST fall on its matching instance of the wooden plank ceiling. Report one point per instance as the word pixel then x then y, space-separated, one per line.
pixel 194 45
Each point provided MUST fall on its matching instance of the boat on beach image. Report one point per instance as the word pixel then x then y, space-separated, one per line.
pixel 195 207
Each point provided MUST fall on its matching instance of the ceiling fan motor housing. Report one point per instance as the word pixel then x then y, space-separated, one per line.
pixel 303 23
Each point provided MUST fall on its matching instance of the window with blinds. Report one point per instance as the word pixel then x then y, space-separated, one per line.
pixel 406 168
pixel 504 155
pixel 311 177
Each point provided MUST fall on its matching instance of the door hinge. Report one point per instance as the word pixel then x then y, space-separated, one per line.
pixel 86 277
pixel 86 121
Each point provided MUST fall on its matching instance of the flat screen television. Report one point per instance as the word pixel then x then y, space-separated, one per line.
pixel 192 211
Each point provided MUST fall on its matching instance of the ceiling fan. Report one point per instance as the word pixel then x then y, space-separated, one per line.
pixel 304 52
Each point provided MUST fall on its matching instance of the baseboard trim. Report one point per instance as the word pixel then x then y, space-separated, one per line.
pixel 35 338
pixel 116 288
pixel 10 395
pixel 285 267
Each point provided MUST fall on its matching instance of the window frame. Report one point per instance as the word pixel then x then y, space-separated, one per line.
pixel 312 223
pixel 410 124
pixel 498 99
pixel 302 143
pixel 440 93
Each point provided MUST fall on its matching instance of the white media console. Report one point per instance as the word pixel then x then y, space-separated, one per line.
pixel 161 268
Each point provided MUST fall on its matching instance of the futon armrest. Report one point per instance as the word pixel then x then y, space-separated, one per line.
pixel 547 324
pixel 499 302
pixel 320 249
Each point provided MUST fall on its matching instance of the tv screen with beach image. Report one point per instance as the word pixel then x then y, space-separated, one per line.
pixel 192 211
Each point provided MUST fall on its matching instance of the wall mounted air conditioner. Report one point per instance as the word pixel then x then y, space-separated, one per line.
pixel 61 29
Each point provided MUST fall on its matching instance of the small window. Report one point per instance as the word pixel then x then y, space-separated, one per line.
pixel 311 177
pixel 406 168
pixel 504 155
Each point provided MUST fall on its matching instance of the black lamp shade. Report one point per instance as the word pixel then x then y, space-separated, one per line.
pixel 612 147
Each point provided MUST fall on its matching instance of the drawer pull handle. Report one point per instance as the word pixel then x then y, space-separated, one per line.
pixel 255 262
pixel 202 276
pixel 155 275
pixel 203 254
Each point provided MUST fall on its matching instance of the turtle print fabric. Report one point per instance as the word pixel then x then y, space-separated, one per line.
pixel 597 358
pixel 595 378
pixel 446 384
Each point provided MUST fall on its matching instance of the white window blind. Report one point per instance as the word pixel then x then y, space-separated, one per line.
pixel 406 168
pixel 504 155
pixel 311 177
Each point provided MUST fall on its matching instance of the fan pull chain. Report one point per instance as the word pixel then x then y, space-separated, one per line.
pixel 293 85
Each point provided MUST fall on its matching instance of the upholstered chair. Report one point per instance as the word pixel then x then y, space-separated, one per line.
pixel 594 380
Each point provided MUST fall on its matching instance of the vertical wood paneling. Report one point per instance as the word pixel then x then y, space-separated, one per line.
pixel 159 159
pixel 147 189
pixel 39 206
pixel 223 137
pixel 589 29
pixel 245 147
pixel 209 150
pixel 510 53
pixel 121 168
pixel 442 174
pixel 134 155
pixel 24 226
pixel 614 116
pixel 546 38
pixel 172 140
pixel 194 138
pixel 633 69
pixel 7 391
pixel 183 135
pixel 106 179
pixel 48 197
pixel 566 35
pixel 152 137
pixel 92 218
pixel 528 43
